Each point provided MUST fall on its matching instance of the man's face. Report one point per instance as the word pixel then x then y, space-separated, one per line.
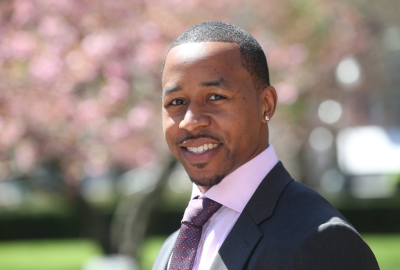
pixel 212 113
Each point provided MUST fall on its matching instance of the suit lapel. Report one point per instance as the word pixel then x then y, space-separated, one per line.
pixel 262 204
pixel 245 234
pixel 238 245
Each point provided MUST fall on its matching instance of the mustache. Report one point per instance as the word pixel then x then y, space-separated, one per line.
pixel 191 137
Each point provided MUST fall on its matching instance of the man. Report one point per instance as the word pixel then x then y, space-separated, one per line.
pixel 246 211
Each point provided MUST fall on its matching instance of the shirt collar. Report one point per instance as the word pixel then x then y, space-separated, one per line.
pixel 236 189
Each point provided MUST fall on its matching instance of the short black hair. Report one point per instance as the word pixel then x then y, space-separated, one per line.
pixel 253 57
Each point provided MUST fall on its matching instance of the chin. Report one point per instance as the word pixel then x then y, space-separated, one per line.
pixel 207 181
pixel 201 175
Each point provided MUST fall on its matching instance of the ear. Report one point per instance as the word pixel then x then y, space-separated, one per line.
pixel 268 100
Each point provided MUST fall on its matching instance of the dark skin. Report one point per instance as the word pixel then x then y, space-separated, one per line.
pixel 209 100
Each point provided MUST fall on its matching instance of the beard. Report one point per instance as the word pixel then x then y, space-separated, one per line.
pixel 207 181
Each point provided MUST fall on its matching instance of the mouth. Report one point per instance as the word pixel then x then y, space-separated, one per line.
pixel 200 150
pixel 203 148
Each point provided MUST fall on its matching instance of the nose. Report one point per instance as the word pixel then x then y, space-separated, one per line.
pixel 194 118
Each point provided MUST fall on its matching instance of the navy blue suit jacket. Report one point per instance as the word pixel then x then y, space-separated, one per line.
pixel 287 225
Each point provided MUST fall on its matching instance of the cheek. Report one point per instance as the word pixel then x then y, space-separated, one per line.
pixel 247 126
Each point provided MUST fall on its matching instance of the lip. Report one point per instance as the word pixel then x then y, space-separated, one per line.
pixel 198 142
pixel 204 157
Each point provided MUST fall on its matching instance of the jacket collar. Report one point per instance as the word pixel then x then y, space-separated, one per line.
pixel 262 204
pixel 245 234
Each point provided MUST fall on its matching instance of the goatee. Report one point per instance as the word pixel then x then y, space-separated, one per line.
pixel 207 182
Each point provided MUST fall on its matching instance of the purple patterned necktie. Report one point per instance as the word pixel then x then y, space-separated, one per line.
pixel 196 215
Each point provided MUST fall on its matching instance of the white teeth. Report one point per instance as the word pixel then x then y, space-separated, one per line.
pixel 202 148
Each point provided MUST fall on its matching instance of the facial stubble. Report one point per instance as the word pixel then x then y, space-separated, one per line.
pixel 215 179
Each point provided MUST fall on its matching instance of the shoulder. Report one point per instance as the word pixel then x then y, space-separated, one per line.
pixel 307 232
pixel 332 245
pixel 307 206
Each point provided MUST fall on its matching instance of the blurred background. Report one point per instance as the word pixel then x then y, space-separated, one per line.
pixel 86 179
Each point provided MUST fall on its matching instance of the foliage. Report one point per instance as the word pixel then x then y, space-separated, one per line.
pixel 80 80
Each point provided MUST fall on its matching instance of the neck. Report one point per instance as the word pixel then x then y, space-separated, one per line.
pixel 203 189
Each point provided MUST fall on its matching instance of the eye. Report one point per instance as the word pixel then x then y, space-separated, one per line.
pixel 216 97
pixel 177 102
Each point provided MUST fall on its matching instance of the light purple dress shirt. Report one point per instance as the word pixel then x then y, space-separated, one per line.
pixel 234 191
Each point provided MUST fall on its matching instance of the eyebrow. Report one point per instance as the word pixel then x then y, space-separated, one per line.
pixel 221 82
pixel 169 90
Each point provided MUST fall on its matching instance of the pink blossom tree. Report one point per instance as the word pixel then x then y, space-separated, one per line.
pixel 80 80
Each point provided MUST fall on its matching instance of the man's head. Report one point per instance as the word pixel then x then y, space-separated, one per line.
pixel 253 57
pixel 216 95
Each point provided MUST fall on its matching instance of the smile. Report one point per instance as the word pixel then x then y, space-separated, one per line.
pixel 203 148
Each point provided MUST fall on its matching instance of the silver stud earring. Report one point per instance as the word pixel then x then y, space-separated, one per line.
pixel 266 118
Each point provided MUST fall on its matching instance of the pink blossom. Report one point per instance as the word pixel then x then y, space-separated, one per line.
pixel 21 45
pixel 149 31
pixel 118 129
pixel 15 105
pixel 88 111
pixel 287 92
pixel 140 115
pixel 174 2
pixel 278 58
pixel 25 156
pixel 115 90
pixel 144 156
pixel 46 67
pixel 40 112
pixel 114 69
pixel 148 55
pixel 99 44
pixel 55 29
pixel 62 6
pixel 81 66
pixel 12 131
pixel 2 124
pixel 298 53
pixel 50 26
pixel 76 60
pixel 24 11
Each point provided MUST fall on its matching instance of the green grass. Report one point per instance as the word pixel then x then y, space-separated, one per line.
pixel 46 254
pixel 71 254
pixel 149 250
pixel 386 248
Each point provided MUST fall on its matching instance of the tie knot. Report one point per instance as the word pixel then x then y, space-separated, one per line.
pixel 199 211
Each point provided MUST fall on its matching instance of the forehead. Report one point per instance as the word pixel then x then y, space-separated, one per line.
pixel 205 57
pixel 189 52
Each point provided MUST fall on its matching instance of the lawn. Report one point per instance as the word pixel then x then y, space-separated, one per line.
pixel 46 254
pixel 149 251
pixel 386 248
pixel 71 254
